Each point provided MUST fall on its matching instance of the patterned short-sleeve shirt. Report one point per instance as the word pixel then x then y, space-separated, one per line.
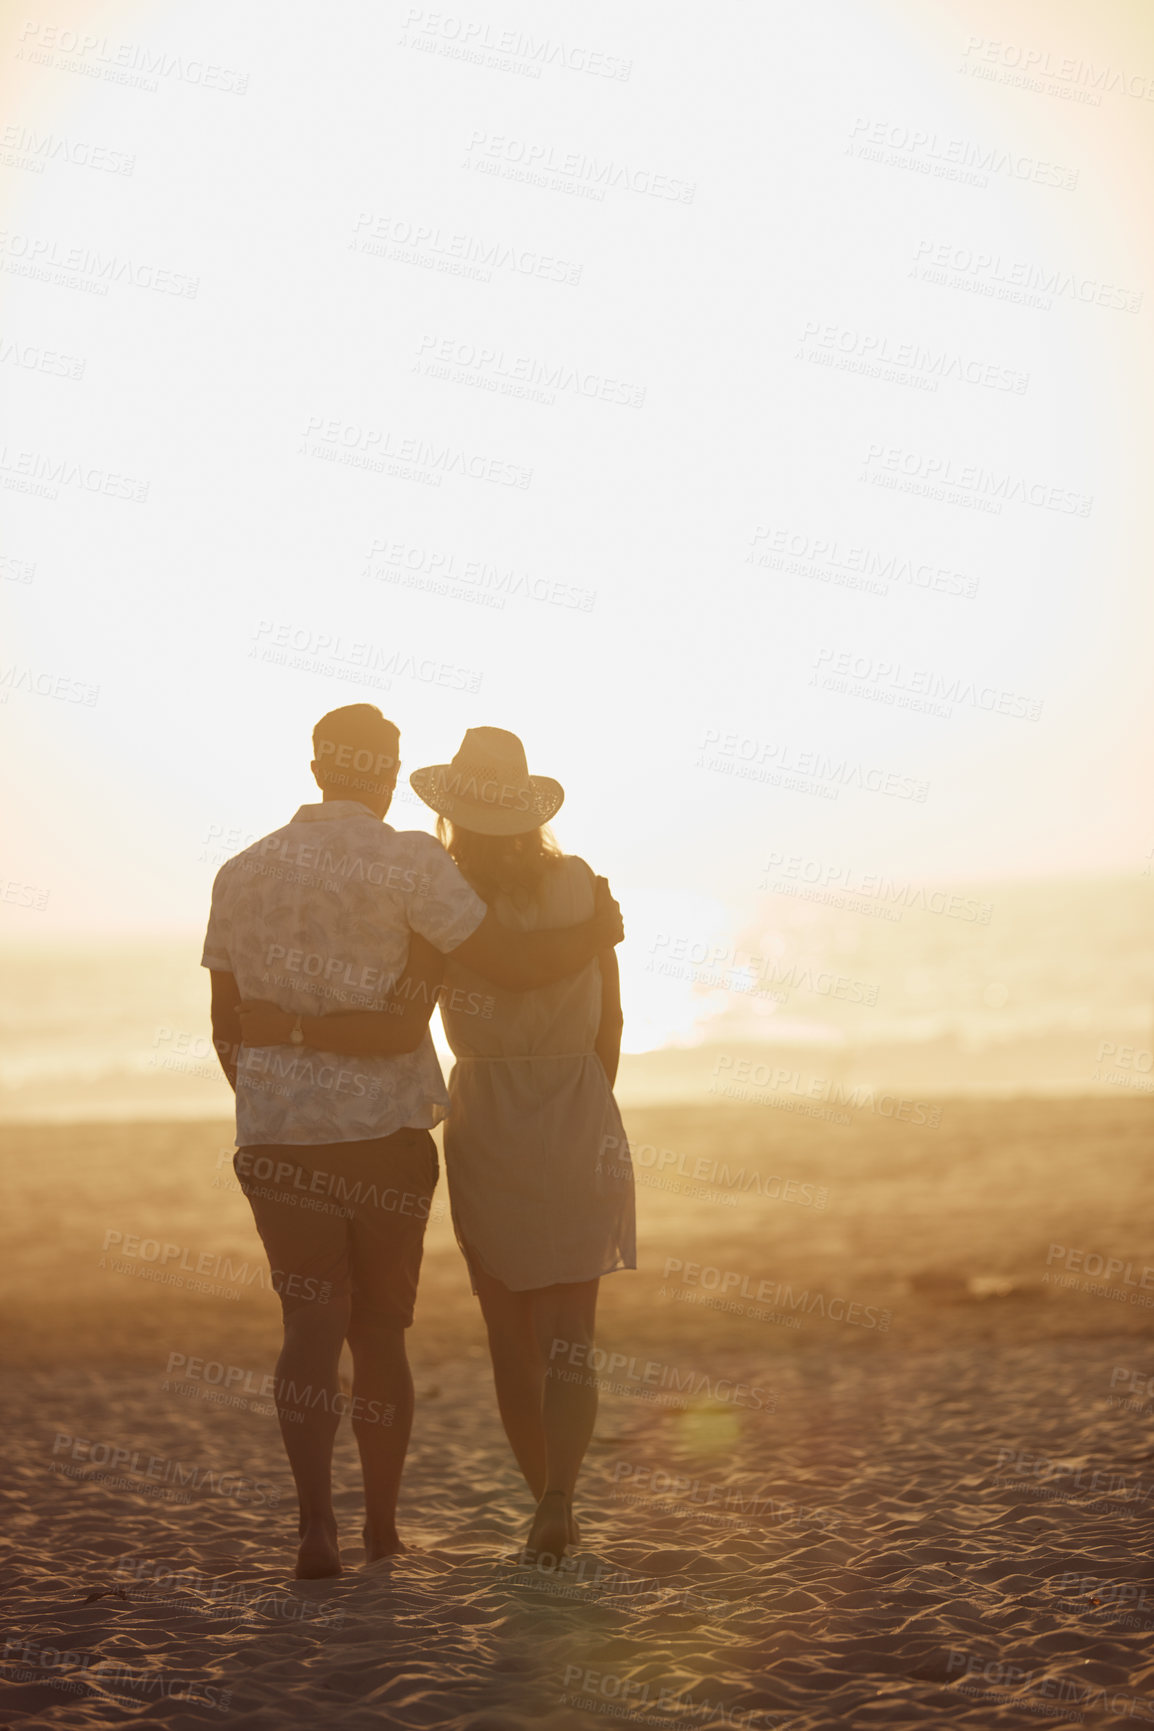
pixel 316 918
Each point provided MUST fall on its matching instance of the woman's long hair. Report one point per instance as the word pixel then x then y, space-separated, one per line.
pixel 495 865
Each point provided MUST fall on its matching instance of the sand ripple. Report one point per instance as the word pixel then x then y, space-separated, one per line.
pixel 901 1563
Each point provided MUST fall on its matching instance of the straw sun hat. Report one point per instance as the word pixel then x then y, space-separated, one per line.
pixel 487 787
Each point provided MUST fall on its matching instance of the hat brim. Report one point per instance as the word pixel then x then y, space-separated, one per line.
pixel 545 798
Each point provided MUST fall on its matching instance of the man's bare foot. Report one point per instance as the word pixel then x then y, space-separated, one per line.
pixel 319 1555
pixel 550 1530
pixel 383 1543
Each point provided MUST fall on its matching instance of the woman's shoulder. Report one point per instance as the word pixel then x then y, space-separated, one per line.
pixel 567 889
pixel 572 870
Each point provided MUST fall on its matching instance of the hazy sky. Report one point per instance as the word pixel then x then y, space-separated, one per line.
pixel 568 378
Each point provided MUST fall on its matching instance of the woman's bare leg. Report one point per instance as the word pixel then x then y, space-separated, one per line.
pixel 518 1372
pixel 564 1317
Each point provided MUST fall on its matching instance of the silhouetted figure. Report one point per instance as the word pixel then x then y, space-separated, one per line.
pixel 322 916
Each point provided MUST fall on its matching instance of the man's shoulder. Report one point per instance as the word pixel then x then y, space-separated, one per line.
pixel 351 851
pixel 228 871
pixel 417 841
pixel 295 838
pixel 374 838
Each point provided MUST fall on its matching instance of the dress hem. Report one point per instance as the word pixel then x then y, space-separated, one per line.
pixel 573 1280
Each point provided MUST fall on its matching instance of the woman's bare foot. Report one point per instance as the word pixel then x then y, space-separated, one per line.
pixel 319 1555
pixel 550 1530
pixel 574 1529
pixel 383 1543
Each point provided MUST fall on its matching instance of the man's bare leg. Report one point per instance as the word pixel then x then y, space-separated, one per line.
pixel 307 1385
pixel 382 1422
pixel 563 1313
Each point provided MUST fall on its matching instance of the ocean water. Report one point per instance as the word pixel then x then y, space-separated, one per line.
pixel 996 988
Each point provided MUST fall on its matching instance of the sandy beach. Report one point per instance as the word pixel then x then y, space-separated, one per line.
pixel 874 1446
pixel 711 446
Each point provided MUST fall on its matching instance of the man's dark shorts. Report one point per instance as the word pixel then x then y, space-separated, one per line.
pixel 344 1219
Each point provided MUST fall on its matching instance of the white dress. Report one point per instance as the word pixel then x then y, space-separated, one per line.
pixel 540 1178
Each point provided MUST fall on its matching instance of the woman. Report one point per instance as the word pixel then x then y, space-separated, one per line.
pixel 540 1178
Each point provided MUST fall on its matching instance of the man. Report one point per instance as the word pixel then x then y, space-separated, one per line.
pixel 318 917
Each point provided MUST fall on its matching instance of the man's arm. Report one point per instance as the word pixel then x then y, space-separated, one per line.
pixel 522 960
pixel 390 1032
pixel 607 1045
pixel 226 1022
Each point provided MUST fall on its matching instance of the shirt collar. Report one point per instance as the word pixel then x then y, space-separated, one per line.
pixel 334 811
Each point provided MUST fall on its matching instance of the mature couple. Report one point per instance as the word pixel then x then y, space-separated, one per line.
pixel 328 943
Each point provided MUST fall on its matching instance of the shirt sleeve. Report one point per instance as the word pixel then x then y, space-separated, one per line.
pixel 218 936
pixel 442 907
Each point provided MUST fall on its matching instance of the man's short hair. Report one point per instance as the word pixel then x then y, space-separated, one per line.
pixel 356 749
